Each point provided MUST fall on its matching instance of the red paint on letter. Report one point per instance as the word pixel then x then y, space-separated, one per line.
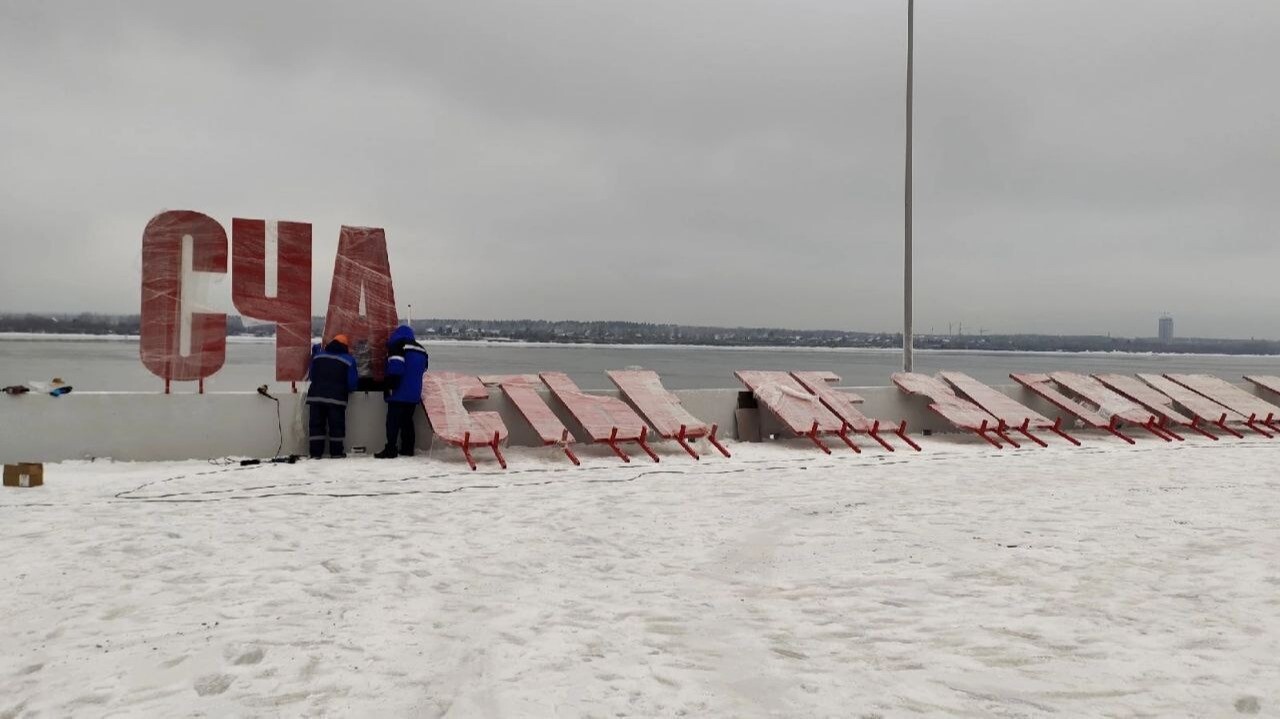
pixel 362 272
pixel 162 347
pixel 290 308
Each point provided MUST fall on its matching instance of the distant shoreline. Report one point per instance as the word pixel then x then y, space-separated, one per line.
pixel 429 340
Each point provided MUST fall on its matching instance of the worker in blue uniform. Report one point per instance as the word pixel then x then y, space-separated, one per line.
pixel 333 378
pixel 406 363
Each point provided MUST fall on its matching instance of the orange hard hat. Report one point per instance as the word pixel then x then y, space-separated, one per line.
pixel 343 339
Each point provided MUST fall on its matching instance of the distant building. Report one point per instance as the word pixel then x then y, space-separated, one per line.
pixel 1166 329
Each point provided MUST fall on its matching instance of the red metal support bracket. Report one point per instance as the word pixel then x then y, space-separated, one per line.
pixel 684 443
pixel 642 440
pixel 901 431
pixel 843 434
pixel 564 444
pixel 1164 427
pixel 1195 427
pixel 1025 429
pixel 982 432
pixel 1114 428
pixel 1057 429
pixel 1253 425
pixel 874 433
pixel 1222 425
pixel 812 434
pixel 613 444
pixel 466 450
pixel 497 451
pixel 1000 432
pixel 1150 426
pixel 715 442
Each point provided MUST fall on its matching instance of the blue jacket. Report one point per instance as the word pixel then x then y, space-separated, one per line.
pixel 406 362
pixel 332 374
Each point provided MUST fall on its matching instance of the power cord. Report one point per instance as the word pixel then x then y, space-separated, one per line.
pixel 262 390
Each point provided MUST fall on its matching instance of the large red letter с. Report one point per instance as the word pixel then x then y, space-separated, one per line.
pixel 178 344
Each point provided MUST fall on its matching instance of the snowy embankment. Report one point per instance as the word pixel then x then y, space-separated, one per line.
pixel 962 581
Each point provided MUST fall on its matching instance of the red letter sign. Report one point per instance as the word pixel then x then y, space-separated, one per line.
pixel 362 301
pixel 275 286
pixel 178 344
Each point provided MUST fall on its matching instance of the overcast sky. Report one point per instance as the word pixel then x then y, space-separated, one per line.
pixel 1081 165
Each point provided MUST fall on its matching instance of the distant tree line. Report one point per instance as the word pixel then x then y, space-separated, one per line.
pixel 83 323
pixel 617 332
pixel 607 332
pixel 1098 343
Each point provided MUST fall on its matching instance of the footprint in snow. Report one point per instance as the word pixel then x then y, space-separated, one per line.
pixel 253 656
pixel 213 684
pixel 1248 705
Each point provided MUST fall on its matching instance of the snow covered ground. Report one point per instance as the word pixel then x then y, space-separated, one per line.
pixel 1104 581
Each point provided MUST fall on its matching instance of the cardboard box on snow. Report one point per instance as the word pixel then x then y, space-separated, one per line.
pixel 24 474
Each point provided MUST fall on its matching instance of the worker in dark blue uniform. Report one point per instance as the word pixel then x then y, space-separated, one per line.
pixel 406 362
pixel 333 377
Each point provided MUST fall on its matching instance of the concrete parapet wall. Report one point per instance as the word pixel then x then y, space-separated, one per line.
pixel 150 426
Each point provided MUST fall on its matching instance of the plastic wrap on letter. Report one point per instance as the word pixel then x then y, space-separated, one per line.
pixel 362 301
pixel 290 305
pixel 178 343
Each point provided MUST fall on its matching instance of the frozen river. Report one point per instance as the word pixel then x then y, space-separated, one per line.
pixel 96 364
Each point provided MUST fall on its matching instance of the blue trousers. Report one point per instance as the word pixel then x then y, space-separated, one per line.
pixel 400 426
pixel 328 423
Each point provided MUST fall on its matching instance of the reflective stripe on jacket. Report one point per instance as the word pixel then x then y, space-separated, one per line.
pixel 333 374
pixel 406 362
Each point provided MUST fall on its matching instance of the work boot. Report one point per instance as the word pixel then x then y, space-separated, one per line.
pixel 388 453
pixel 406 452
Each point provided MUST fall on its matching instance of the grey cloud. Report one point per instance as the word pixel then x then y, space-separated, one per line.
pixel 1081 166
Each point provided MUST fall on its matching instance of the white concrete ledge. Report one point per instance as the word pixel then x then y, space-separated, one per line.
pixel 153 426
